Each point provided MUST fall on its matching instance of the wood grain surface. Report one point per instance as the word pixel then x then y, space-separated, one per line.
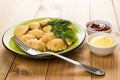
pixel 14 67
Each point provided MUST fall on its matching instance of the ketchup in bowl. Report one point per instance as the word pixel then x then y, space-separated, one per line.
pixel 98 27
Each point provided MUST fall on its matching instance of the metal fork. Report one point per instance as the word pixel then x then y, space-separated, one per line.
pixel 31 51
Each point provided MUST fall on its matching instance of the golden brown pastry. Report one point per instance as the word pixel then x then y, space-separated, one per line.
pixel 70 27
pixel 26 37
pixel 21 30
pixel 36 32
pixel 68 41
pixel 43 22
pixel 47 37
pixel 47 28
pixel 36 44
pixel 34 25
pixel 56 44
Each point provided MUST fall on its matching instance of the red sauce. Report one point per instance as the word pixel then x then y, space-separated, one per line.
pixel 98 27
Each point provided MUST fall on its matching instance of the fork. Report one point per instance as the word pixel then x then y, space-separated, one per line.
pixel 31 51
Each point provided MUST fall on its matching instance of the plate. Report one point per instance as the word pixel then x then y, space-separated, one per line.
pixel 10 45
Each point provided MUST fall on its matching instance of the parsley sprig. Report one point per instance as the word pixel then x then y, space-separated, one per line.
pixel 61 29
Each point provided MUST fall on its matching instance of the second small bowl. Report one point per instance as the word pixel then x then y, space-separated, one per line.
pixel 102 44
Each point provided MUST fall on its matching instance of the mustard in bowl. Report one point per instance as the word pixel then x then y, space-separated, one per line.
pixel 102 44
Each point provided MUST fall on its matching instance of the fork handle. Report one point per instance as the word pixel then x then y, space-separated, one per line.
pixel 83 66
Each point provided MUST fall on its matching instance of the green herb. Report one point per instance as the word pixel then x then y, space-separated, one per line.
pixel 61 30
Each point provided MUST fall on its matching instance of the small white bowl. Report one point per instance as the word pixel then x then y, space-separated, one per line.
pixel 102 51
pixel 89 31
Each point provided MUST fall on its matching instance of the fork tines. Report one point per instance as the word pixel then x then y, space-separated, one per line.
pixel 18 42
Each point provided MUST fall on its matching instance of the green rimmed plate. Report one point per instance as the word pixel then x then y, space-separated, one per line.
pixel 10 45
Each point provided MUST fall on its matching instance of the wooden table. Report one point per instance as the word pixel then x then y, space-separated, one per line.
pixel 14 67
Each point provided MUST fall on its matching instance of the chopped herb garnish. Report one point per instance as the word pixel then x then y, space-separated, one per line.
pixel 61 29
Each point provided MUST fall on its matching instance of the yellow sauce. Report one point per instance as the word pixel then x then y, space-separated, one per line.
pixel 102 41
